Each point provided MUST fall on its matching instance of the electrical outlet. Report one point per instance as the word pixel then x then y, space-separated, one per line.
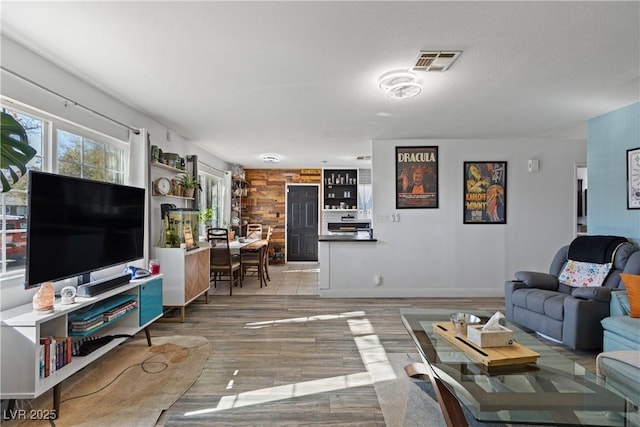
pixel 377 279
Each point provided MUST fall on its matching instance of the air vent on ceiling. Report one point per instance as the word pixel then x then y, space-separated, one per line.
pixel 435 61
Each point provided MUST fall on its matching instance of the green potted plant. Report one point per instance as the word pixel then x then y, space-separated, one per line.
pixel 205 216
pixel 189 184
pixel 15 151
pixel 231 232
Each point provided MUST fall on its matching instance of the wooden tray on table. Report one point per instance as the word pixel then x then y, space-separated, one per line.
pixel 514 354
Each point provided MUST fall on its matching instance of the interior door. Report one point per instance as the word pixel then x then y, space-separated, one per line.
pixel 302 223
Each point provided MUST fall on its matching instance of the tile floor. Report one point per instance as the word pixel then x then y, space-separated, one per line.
pixel 293 278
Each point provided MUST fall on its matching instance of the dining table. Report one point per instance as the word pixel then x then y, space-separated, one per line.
pixel 237 244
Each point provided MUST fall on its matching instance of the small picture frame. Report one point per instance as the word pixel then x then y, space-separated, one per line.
pixel 485 192
pixel 633 178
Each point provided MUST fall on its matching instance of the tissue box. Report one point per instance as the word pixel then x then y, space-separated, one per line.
pixel 501 338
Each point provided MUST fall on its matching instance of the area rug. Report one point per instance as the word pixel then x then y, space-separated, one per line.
pixel 412 402
pixel 403 401
pixel 130 386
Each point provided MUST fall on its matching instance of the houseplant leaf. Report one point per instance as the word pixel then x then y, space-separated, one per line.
pixel 15 151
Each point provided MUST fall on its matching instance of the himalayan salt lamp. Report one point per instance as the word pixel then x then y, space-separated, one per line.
pixel 44 298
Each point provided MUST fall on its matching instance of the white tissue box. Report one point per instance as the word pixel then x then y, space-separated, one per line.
pixel 501 338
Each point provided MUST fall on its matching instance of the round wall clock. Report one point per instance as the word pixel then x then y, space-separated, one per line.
pixel 163 186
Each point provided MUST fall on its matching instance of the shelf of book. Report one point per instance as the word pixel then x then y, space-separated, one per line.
pixel 83 323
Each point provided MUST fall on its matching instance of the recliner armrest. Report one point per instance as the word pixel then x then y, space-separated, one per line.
pixel 533 279
pixel 595 293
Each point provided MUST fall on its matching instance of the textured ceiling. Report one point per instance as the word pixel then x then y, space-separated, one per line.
pixel 300 78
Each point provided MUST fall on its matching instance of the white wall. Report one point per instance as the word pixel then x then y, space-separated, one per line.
pixel 26 63
pixel 430 252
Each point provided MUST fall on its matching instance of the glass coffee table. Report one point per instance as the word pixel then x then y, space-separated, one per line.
pixel 551 391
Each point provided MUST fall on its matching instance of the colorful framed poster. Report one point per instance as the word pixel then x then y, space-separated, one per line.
pixel 485 193
pixel 417 177
pixel 633 178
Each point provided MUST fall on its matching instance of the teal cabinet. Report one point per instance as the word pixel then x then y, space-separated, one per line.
pixel 150 300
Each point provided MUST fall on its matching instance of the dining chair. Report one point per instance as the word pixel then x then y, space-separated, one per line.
pixel 254 231
pixel 255 257
pixel 222 261
pixel 266 253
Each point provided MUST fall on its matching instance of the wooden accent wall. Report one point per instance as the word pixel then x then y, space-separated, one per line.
pixel 266 203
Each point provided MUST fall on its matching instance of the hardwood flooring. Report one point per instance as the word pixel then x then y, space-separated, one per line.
pixel 283 356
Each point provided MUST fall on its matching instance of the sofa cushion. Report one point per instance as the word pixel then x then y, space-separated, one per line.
pixel 548 303
pixel 623 325
pixel 632 285
pixel 582 274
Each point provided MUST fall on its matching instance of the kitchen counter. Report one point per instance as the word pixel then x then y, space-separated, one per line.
pixel 339 256
pixel 346 238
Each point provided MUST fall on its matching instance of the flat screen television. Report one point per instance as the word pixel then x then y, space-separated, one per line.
pixel 77 226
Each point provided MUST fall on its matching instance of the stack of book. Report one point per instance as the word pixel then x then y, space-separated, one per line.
pixel 85 325
pixel 120 310
pixel 55 352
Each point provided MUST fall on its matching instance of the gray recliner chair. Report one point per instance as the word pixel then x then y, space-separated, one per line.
pixel 571 315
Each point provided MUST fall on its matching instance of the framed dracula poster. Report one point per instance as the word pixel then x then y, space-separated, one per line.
pixel 485 192
pixel 417 177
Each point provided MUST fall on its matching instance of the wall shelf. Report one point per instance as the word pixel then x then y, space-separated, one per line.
pixel 340 186
pixel 172 196
pixel 167 167
pixel 239 200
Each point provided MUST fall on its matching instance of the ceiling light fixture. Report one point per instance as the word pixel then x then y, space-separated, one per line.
pixel 400 84
pixel 270 158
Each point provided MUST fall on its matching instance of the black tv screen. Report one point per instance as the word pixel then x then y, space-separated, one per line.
pixel 76 226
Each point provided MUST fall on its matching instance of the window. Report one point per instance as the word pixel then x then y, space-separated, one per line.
pixel 75 152
pixel 85 158
pixel 13 220
pixel 210 201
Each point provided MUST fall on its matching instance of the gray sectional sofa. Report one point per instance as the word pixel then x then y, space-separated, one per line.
pixel 570 315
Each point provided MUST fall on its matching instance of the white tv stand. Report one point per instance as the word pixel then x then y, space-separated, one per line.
pixel 21 329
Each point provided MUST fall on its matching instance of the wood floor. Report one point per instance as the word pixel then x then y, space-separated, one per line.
pixel 283 356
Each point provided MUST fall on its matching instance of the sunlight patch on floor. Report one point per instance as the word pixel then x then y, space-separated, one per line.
pixel 306 270
pixel 256 325
pixel 287 391
pixel 372 353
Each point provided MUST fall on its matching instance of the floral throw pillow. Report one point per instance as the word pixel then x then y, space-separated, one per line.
pixel 582 274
